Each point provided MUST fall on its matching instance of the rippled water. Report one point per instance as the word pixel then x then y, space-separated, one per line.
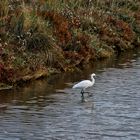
pixel 51 110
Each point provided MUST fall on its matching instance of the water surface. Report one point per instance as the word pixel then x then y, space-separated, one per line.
pixel 49 109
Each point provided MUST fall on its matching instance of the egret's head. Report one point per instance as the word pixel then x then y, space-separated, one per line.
pixel 93 74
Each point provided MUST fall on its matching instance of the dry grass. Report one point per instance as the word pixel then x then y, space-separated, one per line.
pixel 60 35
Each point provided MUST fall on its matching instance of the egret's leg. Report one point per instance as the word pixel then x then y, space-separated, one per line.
pixel 82 93
pixel 82 96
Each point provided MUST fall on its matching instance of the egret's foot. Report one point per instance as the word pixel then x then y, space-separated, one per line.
pixel 82 97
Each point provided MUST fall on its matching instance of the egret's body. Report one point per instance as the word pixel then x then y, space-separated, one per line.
pixel 85 84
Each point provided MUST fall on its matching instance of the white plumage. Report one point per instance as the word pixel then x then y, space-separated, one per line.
pixel 85 84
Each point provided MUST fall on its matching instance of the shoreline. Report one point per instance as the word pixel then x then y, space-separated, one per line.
pixel 40 74
pixel 38 42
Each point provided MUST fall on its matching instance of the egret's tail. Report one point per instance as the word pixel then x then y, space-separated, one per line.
pixel 74 86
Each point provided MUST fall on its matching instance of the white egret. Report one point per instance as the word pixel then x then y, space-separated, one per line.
pixel 85 84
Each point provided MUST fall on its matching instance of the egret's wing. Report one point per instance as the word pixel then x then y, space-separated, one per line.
pixel 82 84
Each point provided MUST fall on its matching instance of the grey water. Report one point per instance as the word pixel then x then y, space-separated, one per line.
pixel 49 109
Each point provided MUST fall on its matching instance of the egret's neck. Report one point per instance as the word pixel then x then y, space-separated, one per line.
pixel 92 79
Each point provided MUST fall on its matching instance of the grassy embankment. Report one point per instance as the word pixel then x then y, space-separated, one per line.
pixel 46 36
